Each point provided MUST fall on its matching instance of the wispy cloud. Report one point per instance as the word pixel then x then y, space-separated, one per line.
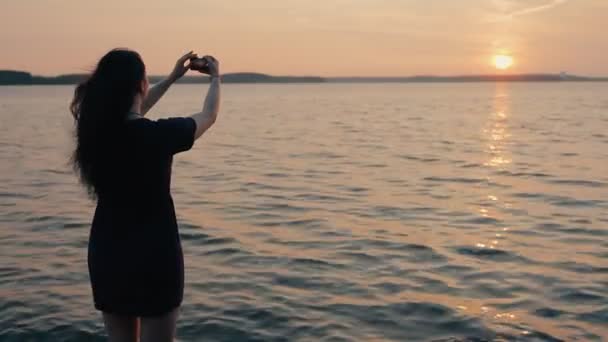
pixel 506 6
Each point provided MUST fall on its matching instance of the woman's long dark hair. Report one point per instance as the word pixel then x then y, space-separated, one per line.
pixel 100 106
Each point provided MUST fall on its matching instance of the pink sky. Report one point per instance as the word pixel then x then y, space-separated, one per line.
pixel 310 37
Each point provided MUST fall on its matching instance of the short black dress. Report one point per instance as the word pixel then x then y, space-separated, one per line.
pixel 135 257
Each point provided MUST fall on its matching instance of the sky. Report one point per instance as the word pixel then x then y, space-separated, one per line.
pixel 311 37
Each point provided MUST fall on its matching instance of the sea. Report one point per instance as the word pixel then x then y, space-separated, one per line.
pixel 337 212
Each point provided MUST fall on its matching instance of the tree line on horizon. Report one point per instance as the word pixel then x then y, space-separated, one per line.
pixel 16 77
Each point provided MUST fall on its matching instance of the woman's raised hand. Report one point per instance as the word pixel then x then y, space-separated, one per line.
pixel 181 67
pixel 213 65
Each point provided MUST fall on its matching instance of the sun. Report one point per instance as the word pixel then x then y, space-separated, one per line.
pixel 502 62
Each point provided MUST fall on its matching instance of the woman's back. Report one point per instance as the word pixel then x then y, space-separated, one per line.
pixel 138 170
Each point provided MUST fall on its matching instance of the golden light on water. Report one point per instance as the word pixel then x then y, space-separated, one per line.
pixel 497 132
pixel 502 62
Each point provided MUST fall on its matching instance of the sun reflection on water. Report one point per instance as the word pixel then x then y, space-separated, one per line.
pixel 496 137
pixel 497 130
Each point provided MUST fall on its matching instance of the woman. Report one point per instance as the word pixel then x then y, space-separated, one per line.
pixel 124 160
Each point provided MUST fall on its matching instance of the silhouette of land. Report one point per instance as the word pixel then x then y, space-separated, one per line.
pixel 14 77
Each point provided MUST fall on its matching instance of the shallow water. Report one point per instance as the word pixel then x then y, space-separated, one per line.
pixel 338 212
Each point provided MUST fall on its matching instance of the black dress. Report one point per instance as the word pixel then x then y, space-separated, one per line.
pixel 135 257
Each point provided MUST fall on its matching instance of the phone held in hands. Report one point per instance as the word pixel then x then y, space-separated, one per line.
pixel 199 64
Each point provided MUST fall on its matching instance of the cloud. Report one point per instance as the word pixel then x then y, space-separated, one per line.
pixel 507 5
pixel 537 8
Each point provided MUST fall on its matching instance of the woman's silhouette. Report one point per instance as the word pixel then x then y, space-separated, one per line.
pixel 124 160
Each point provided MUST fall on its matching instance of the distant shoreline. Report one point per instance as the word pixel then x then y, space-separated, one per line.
pixel 15 77
pixel 470 79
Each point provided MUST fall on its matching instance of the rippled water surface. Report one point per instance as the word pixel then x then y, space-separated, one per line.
pixel 337 212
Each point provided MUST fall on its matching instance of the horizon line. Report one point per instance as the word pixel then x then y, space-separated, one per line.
pixel 561 73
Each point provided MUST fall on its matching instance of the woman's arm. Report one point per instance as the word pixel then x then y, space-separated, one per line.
pixel 206 118
pixel 155 93
pixel 159 89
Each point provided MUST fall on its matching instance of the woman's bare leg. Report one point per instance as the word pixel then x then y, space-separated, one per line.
pixel 121 328
pixel 159 328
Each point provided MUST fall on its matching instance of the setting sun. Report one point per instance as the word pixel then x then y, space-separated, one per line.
pixel 502 62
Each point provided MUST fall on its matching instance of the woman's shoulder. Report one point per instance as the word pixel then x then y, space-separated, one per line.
pixel 140 124
pixel 172 120
pixel 139 120
pixel 172 134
